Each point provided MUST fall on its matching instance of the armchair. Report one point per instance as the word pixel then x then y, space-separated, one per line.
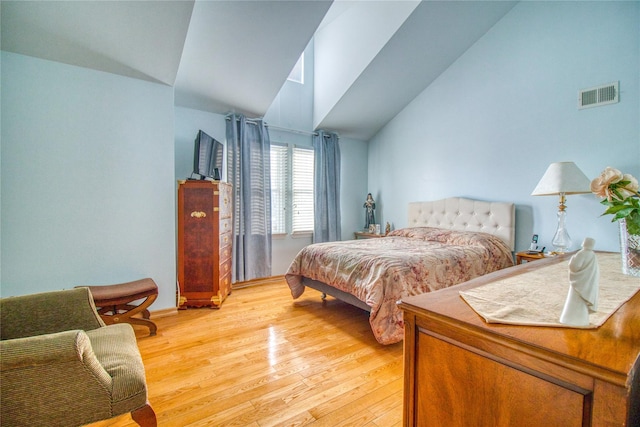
pixel 61 366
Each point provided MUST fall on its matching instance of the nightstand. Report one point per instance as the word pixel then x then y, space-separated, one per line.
pixel 366 235
pixel 528 257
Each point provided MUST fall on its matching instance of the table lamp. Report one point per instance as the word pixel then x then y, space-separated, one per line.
pixel 562 179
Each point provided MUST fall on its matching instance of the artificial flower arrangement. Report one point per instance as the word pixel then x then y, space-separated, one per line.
pixel 620 195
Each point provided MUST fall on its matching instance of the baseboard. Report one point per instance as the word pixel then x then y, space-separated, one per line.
pixel 163 312
pixel 256 282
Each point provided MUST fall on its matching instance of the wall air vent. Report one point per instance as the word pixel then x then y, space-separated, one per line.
pixel 600 95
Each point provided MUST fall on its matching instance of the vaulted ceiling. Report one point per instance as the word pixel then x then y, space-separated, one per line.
pixel 223 56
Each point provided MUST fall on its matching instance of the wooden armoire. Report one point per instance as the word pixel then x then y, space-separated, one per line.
pixel 205 220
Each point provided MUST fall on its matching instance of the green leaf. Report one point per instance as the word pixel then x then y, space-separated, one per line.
pixel 615 210
pixel 633 227
pixel 627 209
pixel 633 223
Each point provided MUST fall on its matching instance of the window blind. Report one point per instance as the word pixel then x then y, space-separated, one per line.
pixel 302 190
pixel 279 181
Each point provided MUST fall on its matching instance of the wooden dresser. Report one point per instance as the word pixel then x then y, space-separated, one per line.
pixel 204 243
pixel 462 371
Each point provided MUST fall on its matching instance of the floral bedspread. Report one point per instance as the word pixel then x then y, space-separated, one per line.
pixel 409 261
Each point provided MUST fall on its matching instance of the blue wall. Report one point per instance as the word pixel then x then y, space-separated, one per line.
pixel 491 124
pixel 87 179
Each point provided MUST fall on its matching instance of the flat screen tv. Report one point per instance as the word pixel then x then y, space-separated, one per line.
pixel 207 158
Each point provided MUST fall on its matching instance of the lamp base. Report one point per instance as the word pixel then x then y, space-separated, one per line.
pixel 561 240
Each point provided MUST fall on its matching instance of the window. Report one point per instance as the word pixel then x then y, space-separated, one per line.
pixel 297 74
pixel 279 178
pixel 302 190
pixel 291 189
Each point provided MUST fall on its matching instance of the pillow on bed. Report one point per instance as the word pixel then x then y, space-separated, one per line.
pixel 450 237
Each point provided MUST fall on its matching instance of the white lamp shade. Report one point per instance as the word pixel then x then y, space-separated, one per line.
pixel 562 178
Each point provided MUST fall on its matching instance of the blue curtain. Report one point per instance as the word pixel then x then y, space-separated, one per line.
pixel 326 218
pixel 249 170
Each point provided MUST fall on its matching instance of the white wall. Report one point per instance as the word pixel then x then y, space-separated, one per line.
pixel 87 178
pixel 491 124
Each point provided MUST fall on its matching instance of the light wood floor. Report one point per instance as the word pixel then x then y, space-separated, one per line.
pixel 264 359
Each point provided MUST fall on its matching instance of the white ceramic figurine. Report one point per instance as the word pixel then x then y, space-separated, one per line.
pixel 583 292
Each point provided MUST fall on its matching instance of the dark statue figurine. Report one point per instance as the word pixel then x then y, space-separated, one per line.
pixel 370 215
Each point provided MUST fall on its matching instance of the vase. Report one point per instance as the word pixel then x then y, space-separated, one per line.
pixel 630 250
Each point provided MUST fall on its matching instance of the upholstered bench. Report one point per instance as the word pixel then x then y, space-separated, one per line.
pixel 115 303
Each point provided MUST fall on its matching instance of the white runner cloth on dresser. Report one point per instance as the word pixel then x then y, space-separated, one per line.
pixel 536 298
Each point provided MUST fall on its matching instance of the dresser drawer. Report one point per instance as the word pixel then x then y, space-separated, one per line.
pixel 225 194
pixel 225 267
pixel 225 254
pixel 225 225
pixel 225 240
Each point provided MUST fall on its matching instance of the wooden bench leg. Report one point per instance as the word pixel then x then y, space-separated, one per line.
pixel 117 303
pixel 124 313
pixel 144 322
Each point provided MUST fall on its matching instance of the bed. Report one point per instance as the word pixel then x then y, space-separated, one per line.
pixel 446 242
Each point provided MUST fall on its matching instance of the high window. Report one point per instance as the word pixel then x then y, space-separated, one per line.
pixel 291 189
pixel 297 73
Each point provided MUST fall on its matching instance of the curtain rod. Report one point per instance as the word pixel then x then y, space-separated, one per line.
pixel 301 132
pixel 252 122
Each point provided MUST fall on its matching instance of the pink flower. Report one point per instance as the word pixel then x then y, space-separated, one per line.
pixel 620 194
pixel 600 185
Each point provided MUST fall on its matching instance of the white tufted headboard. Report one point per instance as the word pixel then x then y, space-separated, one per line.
pixel 456 213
